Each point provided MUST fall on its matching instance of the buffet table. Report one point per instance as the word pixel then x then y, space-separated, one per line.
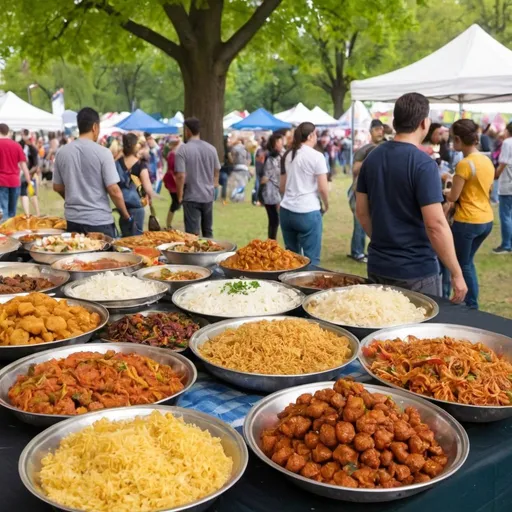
pixel 482 485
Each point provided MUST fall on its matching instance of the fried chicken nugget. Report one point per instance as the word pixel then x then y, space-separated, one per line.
pixel 25 308
pixel 56 324
pixel 32 324
pixel 19 337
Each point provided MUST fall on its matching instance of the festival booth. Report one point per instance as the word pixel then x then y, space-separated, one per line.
pixel 19 115
pixel 260 120
pixel 296 115
pixel 357 118
pixel 322 119
pixel 139 121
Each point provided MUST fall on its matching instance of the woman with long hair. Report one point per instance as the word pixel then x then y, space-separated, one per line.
pixel 303 180
pixel 473 218
pixel 135 185
pixel 269 183
pixel 170 182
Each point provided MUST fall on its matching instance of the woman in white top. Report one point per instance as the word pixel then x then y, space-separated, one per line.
pixel 303 180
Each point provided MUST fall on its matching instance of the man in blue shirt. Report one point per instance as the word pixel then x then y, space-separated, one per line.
pixel 398 203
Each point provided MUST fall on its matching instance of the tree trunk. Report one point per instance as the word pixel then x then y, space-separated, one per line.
pixel 338 98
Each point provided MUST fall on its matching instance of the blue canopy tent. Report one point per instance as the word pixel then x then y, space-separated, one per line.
pixel 260 120
pixel 141 122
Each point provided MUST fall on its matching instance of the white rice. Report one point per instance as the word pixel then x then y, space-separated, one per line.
pixel 209 299
pixel 366 306
pixel 112 286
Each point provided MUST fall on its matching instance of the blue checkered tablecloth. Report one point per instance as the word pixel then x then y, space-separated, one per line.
pixel 212 396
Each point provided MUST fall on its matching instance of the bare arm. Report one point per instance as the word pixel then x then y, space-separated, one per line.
pixel 216 174
pixel 25 170
pixel 356 167
pixel 323 190
pixel 282 184
pixel 453 194
pixel 363 212
pixel 441 238
pixel 117 198
pixel 60 190
pixel 499 170
pixel 180 185
pixel 146 184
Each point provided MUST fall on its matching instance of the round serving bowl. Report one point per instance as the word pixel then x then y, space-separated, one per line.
pixel 57 277
pixel 264 382
pixel 213 316
pixel 175 285
pixel 49 440
pixel 449 433
pixel 467 413
pixel 418 299
pixel 39 233
pixel 181 365
pixel 301 279
pixel 15 352
pixel 124 305
pixel 259 274
pixel 131 262
pixel 201 259
pixel 8 245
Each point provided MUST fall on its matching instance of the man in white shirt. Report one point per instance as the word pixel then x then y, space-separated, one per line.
pixel 504 174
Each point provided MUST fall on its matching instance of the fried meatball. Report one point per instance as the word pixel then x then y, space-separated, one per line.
pixel 371 458
pixel 302 449
pixel 366 424
pixel 366 477
pixel 329 469
pixel 383 476
pixel 268 444
pixel 295 463
pixel 432 468
pixel 281 456
pixel 354 409
pixel 310 470
pixel 304 399
pixel 415 462
pixel 328 435
pixel 337 401
pixel 321 453
pixel 342 386
pixel 330 419
pixel 414 416
pixel 417 445
pixel 386 457
pixel 424 432
pixel 315 410
pixel 283 442
pixel 345 432
pixel 435 448
pixel 420 478
pixel 402 472
pixel 378 416
pixel 341 478
pixel 382 438
pixel 380 407
pixel 368 399
pixel 344 455
pixel 363 441
pixel 311 439
pixel 324 394
pixel 440 459
pixel 403 431
pixel 399 451
pixel 390 484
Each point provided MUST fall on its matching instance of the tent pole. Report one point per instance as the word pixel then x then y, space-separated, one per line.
pixel 352 124
pixel 461 106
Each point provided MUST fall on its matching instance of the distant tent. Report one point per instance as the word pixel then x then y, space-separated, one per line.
pixel 176 121
pixel 296 115
pixel 320 117
pixel 362 118
pixel 260 120
pixel 141 122
pixel 231 118
pixel 69 118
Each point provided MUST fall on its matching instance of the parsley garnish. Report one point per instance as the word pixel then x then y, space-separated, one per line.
pixel 240 287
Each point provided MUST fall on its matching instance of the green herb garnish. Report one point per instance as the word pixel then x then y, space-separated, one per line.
pixel 122 366
pixel 486 356
pixel 240 287
pixel 471 377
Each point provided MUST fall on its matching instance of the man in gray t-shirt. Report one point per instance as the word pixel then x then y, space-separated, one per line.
pixel 240 156
pixel 85 176
pixel 197 170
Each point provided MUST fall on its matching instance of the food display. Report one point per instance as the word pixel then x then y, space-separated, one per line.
pixel 277 347
pixel 150 256
pixel 154 238
pixel 168 275
pixel 88 381
pixel 26 222
pixel 37 318
pixel 237 298
pixel 445 368
pixel 327 282
pixel 264 256
pixel 64 244
pixel 21 283
pixel 101 264
pixel 157 462
pixel 349 437
pixel 26 239
pixel 158 329
pixel 112 286
pixel 365 306
pixel 202 245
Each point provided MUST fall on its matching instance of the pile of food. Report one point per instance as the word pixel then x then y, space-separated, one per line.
pixel 26 222
pixel 150 256
pixel 202 245
pixel 366 306
pixel 278 347
pixel 101 264
pixel 112 286
pixel 238 298
pixel 444 368
pixel 174 275
pixel 23 283
pixel 63 244
pixel 154 239
pixel 157 462
pixel 88 381
pixel 158 329
pixel 37 318
pixel 264 256
pixel 329 281
pixel 350 437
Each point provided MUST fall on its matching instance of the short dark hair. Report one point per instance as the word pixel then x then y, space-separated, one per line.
pixel 147 135
pixel 431 130
pixel 130 140
pixel 25 133
pixel 4 129
pixel 410 110
pixel 86 119
pixel 193 124
pixel 467 131
pixel 271 144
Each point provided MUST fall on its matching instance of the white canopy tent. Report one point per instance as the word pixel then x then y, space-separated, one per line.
pixel 18 115
pixel 296 115
pixel 231 118
pixel 109 121
pixel 320 117
pixel 356 118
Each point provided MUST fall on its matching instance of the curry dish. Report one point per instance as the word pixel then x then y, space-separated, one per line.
pixel 37 318
pixel 350 437
pixel 88 381
pixel 23 283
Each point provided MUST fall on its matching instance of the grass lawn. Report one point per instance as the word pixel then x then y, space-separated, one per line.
pixel 243 222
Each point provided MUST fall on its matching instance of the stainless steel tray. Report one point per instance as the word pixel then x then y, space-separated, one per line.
pixel 57 277
pixel 265 382
pixel 49 440
pixel 497 342
pixel 181 365
pixel 259 274
pixel 175 285
pixel 449 433
pixel 202 259
pixel 300 279
pixel 8 245
pixel 40 232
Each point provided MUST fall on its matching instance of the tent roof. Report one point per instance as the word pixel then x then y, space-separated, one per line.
pixel 18 114
pixel 296 115
pixel 230 119
pixel 142 122
pixel 320 117
pixel 362 118
pixel 260 120
pixel 473 67
pixel 69 117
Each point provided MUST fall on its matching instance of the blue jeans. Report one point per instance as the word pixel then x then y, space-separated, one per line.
pixel 133 228
pixel 446 281
pixel 494 192
pixel 358 240
pixel 506 221
pixel 8 199
pixel 468 238
pixel 302 233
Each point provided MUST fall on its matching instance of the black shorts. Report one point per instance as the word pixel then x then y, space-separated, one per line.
pixel 24 189
pixel 175 205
